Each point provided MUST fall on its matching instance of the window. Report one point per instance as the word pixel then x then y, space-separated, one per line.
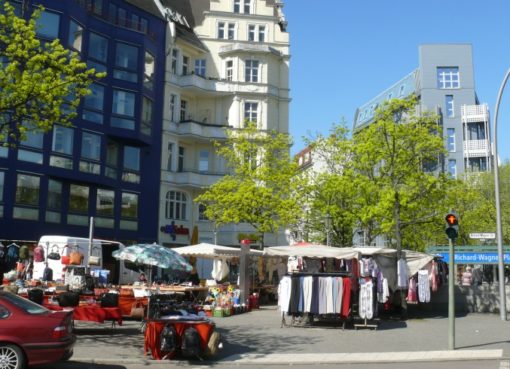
pixel 170 156
pixel 105 202
pixel 148 75
pixel 27 190
pixel 34 144
pixel 452 168
pixel 91 146
pixel 93 104
pixel 54 200
pixel 476 131
pixel 229 70
pixel 200 67
pixel 2 180
pixel 250 111
pixel 226 30
pixel 256 33
pixel 221 30
pixel 126 62
pixel 185 65
pixel 201 212
pixel 96 6
pixel 124 105
pixel 112 157
pixel 146 126
pixel 75 38
pixel 132 158
pixel 448 77
pixel 121 17
pixel 184 108
pixel 78 198
pixel 231 31
pixel 251 71
pixel 175 56
pixel 34 139
pixel 243 6
pixel 98 47
pixel 176 203
pixel 203 163
pixel 173 99
pixel 62 140
pixel 129 205
pixel 450 112
pixel 48 25
pixel 180 160
pixel 451 139
pixel 401 91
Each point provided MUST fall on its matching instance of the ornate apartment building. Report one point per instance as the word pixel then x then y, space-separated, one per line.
pixel 227 61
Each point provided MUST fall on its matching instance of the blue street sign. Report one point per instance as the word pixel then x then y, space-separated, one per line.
pixel 475 257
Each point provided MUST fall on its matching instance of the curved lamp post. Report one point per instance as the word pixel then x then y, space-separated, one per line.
pixel 499 232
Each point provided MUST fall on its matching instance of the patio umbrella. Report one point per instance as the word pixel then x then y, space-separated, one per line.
pixel 153 255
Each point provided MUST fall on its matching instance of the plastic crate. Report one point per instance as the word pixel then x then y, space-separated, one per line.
pixel 218 313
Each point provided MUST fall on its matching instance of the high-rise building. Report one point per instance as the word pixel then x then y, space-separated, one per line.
pixel 444 84
pixel 107 165
pixel 228 61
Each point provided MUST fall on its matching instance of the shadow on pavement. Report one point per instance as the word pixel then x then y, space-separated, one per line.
pixel 80 365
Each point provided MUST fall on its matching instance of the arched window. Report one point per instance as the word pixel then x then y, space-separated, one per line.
pixel 175 205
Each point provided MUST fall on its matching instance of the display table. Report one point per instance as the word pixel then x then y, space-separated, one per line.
pixel 152 340
pixel 92 313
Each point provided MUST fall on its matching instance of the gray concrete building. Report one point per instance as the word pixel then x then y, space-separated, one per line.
pixel 444 83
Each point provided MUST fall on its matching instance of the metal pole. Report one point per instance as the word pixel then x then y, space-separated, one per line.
pixel 91 238
pixel 499 232
pixel 451 298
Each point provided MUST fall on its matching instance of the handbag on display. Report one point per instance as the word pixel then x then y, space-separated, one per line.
pixel 76 257
pixel 94 260
pixel 66 260
pixel 110 300
pixel 54 254
pixel 137 310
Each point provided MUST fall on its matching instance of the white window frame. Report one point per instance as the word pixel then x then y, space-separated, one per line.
pixel 251 73
pixel 185 65
pixel 176 203
pixel 242 6
pixel 450 106
pixel 173 102
pixel 255 31
pixel 200 67
pixel 452 170
pixel 229 70
pixel 250 111
pixel 448 78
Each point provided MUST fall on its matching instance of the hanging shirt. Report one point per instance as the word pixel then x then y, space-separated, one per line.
pixel 402 273
pixel 423 286
pixel 307 293
pixel 339 294
pixel 346 298
pixel 284 294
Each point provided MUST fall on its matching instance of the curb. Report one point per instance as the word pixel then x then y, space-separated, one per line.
pixel 335 358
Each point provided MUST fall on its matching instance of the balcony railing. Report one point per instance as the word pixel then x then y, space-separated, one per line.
pixel 475 148
pixel 198 129
pixel 474 113
pixel 192 179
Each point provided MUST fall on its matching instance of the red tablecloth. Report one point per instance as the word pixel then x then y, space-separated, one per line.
pixel 93 313
pixel 152 341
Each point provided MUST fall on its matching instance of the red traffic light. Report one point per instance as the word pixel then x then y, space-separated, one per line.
pixel 451 219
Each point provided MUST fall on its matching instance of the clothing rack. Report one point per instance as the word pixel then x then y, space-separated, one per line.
pixel 372 322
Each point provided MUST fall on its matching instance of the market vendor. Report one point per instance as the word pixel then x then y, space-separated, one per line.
pixel 193 277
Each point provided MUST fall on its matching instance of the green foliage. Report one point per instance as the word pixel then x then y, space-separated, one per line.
pixel 41 83
pixel 259 189
pixel 394 159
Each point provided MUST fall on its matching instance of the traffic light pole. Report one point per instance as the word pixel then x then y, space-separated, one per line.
pixel 451 298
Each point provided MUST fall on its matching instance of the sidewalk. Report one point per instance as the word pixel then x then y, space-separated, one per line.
pixel 256 338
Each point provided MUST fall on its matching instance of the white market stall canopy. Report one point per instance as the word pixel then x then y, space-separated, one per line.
pixel 210 251
pixel 313 251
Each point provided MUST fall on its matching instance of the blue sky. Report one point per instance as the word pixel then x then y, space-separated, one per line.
pixel 344 52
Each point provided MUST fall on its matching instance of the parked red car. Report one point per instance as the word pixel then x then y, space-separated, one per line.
pixel 30 334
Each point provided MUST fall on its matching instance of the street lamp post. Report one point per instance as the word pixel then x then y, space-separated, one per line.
pixel 499 232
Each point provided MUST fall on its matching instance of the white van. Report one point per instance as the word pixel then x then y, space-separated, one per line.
pixel 64 245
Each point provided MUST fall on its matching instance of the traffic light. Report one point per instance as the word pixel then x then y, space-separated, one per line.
pixel 452 225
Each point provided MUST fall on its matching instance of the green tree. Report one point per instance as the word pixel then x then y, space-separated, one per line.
pixel 260 185
pixel 331 189
pixel 395 162
pixel 41 83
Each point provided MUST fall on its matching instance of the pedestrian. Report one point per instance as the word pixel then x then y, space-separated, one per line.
pixel 477 275
pixel 467 277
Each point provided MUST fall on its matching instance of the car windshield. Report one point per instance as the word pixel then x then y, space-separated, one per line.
pixel 25 304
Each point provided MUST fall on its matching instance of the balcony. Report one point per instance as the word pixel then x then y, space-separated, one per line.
pixel 248 48
pixel 474 113
pixel 476 148
pixel 191 128
pixel 202 86
pixel 191 179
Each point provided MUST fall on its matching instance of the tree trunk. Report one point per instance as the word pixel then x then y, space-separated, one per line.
pixel 398 239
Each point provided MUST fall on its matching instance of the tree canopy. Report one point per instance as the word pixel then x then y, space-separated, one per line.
pixel 258 190
pixel 41 83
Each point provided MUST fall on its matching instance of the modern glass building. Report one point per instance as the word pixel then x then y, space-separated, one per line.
pixel 107 165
